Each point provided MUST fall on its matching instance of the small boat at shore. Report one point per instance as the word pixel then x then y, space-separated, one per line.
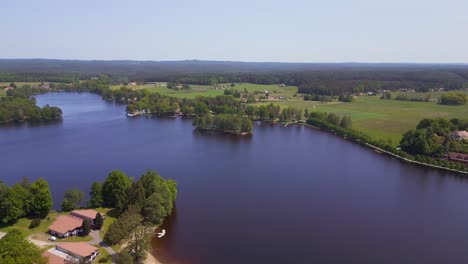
pixel 131 115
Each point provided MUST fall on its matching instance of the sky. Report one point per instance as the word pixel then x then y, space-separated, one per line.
pixel 422 31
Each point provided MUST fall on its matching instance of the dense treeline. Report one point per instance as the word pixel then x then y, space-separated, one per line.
pixel 407 97
pixel 24 199
pixel 224 123
pixel 432 137
pixel 139 204
pixel 20 109
pixel 18 106
pixel 151 196
pixel 321 79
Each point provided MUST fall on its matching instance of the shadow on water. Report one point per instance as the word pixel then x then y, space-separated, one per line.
pixel 31 124
pixel 218 136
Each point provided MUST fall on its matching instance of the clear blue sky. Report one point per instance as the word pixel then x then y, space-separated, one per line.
pixel 240 30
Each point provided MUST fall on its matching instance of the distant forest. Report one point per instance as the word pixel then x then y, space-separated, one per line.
pixel 311 78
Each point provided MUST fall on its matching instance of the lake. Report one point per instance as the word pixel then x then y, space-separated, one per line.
pixel 283 195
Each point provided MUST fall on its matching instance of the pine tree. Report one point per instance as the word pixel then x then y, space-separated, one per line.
pixel 98 222
pixel 86 227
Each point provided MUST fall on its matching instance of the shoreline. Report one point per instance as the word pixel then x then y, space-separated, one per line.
pixel 388 153
pixel 150 259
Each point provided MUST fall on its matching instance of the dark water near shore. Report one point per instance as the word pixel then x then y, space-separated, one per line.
pixel 284 195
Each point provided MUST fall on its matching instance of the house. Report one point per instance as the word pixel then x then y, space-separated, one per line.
pixel 53 259
pixel 80 250
pixel 65 226
pixel 281 85
pixel 43 86
pixel 9 88
pixel 89 214
pixel 459 157
pixel 460 135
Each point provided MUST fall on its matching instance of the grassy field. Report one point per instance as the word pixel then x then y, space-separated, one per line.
pixel 23 225
pixel 384 119
pixel 19 84
pixel 209 90
pixel 104 256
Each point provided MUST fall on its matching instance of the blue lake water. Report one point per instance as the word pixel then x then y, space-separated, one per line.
pixel 283 195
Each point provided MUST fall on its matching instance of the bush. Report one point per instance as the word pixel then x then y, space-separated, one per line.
pixel 105 260
pixel 453 99
pixel 35 223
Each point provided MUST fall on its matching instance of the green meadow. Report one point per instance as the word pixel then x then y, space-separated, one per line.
pixel 389 119
pixel 381 119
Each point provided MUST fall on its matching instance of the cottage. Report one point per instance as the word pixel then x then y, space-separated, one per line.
pixel 53 259
pixel 80 250
pixel 88 214
pixel 459 157
pixel 43 86
pixel 65 226
pixel 132 83
pixel 460 135
pixel 9 88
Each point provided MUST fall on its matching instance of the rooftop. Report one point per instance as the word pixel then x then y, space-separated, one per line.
pixel 89 213
pixel 78 248
pixel 458 156
pixel 53 259
pixel 65 223
pixel 462 134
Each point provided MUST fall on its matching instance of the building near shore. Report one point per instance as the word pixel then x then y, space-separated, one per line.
pixel 458 157
pixel 88 214
pixel 82 251
pixel 460 135
pixel 66 226
pixel 53 259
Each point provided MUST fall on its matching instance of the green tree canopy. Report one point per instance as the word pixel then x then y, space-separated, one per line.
pixel 95 195
pixel 98 221
pixel 16 249
pixel 73 199
pixel 41 198
pixel 86 227
pixel 115 188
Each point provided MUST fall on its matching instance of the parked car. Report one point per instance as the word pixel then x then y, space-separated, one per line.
pixel 52 238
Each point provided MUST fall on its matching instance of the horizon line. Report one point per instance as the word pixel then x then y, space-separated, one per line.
pixel 239 61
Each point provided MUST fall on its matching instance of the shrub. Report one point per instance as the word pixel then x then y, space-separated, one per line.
pixel 35 223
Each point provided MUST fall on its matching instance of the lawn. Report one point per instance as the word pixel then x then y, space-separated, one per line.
pixel 110 218
pixel 104 256
pixel 23 225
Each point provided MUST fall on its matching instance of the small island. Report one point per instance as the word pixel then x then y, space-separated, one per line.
pixel 230 124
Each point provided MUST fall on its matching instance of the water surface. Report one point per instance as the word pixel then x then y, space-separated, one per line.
pixel 284 195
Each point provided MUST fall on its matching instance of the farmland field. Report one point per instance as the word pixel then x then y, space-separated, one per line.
pixel 19 84
pixel 384 119
pixel 381 119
